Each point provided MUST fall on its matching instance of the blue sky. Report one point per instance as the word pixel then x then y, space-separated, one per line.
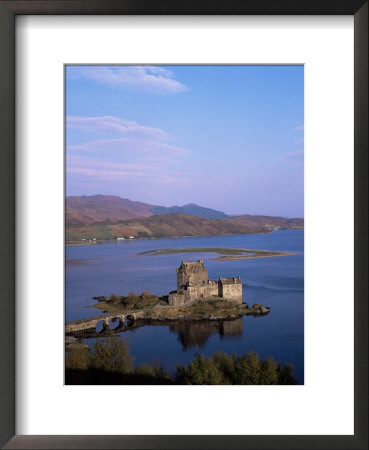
pixel 225 137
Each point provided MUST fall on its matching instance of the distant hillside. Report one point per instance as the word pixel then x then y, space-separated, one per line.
pixel 170 225
pixel 175 225
pixel 192 209
pixel 86 210
pixel 102 208
pixel 109 217
pixel 268 222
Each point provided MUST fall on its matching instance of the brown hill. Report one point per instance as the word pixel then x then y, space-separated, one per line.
pixel 176 225
pixel 85 210
pixel 109 217
pixel 170 225
pixel 268 222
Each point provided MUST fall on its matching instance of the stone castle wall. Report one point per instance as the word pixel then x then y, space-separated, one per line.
pixel 191 293
pixel 176 299
pixel 232 292
pixel 191 273
pixel 231 289
pixel 203 291
pixel 193 284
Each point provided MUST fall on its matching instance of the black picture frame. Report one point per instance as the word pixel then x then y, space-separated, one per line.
pixel 8 11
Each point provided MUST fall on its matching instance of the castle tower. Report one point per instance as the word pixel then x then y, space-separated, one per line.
pixel 191 273
pixel 231 289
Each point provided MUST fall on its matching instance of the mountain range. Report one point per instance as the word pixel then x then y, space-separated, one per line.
pixel 109 217
pixel 84 210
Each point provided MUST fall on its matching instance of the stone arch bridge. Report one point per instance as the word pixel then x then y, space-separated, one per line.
pixel 79 326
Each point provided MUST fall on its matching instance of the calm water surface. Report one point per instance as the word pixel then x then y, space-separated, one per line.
pixel 116 267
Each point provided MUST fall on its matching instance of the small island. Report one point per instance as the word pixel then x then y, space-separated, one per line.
pixel 225 253
pixel 196 298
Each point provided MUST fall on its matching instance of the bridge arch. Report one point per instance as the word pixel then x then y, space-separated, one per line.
pixel 115 323
pixel 100 326
pixel 129 319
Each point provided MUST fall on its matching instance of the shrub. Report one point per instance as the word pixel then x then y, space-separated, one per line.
pixel 112 355
pixel 268 372
pixel 200 371
pixel 226 364
pixel 161 376
pixel 248 369
pixel 146 295
pixel 77 357
pixel 224 369
pixel 114 299
pixel 131 299
pixel 285 374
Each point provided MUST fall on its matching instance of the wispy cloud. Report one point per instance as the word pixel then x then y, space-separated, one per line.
pixel 110 125
pixel 128 151
pixel 299 127
pixel 137 145
pixel 147 79
pixel 84 162
pixel 123 136
pixel 296 156
pixel 105 171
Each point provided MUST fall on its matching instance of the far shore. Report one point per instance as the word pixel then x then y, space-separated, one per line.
pixel 101 241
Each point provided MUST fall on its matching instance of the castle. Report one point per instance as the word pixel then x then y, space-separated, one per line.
pixel 193 284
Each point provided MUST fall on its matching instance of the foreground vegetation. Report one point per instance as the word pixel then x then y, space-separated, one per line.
pixel 110 362
pixel 227 253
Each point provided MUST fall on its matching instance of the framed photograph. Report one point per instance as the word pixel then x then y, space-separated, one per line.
pixel 184 224
pixel 201 281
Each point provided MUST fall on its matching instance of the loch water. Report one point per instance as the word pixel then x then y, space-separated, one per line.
pixel 277 282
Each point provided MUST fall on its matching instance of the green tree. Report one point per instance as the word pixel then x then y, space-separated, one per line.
pixel 111 355
pixel 201 371
pixel 226 364
pixel 152 374
pixel 248 369
pixel 286 374
pixel 268 372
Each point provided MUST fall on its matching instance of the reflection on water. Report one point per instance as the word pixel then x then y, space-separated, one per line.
pixel 191 333
pixel 196 334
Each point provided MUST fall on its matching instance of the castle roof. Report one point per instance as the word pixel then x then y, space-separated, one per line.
pixel 235 280
pixel 192 264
